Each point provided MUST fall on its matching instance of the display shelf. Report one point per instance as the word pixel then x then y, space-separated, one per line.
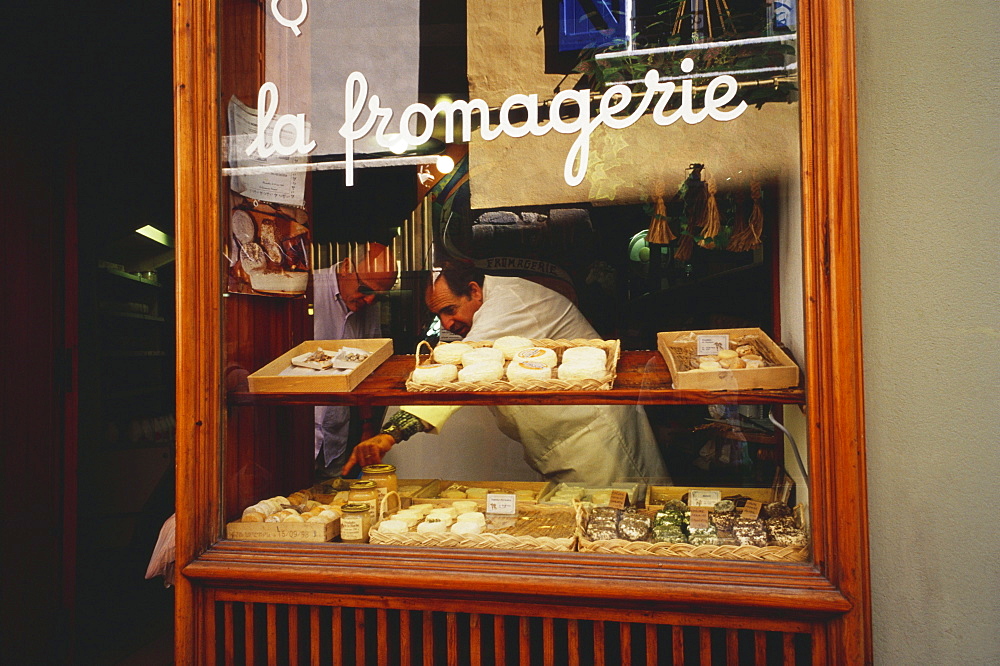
pixel 134 353
pixel 130 276
pixel 133 315
pixel 642 378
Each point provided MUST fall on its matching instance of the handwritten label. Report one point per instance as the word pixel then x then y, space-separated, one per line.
pixel 751 509
pixel 712 344
pixel 504 504
pixel 619 499
pixel 699 517
pixel 708 498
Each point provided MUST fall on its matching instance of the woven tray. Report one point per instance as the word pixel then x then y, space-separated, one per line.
pixel 752 553
pixel 612 347
pixel 625 547
pixel 484 540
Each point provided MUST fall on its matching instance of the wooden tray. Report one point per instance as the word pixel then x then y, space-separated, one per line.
pixel 270 378
pixel 309 532
pixel 780 373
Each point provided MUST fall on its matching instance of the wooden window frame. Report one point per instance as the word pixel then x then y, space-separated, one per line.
pixel 833 588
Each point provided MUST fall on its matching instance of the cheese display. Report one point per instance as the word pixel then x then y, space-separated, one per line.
pixel 513 363
pixel 736 528
pixel 730 359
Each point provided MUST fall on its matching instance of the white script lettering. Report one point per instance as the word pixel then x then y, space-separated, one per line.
pixel 267 106
pixel 613 101
pixel 290 23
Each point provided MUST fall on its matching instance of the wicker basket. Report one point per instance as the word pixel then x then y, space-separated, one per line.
pixel 485 540
pixel 624 547
pixel 612 347
pixel 752 553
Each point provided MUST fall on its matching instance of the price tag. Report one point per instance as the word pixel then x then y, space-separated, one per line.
pixel 619 499
pixel 751 509
pixel 699 517
pixel 504 504
pixel 707 498
pixel 712 344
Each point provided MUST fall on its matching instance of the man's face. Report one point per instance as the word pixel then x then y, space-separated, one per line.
pixel 455 312
pixel 360 285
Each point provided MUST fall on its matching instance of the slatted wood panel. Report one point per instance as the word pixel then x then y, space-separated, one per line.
pixel 268 633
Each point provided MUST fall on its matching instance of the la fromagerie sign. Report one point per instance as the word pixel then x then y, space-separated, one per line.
pixel 617 107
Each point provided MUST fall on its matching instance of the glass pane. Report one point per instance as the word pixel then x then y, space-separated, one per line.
pixel 609 179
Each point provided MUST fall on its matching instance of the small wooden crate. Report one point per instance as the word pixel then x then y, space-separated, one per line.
pixel 274 377
pixel 307 532
pixel 781 371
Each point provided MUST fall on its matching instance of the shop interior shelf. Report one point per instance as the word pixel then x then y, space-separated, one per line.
pixel 642 378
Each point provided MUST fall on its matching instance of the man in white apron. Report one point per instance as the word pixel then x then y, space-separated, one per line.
pixel 593 444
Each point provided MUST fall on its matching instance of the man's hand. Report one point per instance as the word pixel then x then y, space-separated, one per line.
pixel 369 452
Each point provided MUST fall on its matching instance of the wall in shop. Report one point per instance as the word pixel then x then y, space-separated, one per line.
pixel 929 158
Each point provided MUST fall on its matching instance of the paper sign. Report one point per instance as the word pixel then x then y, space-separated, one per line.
pixel 707 498
pixel 712 344
pixel 751 509
pixel 699 517
pixel 504 504
pixel 619 499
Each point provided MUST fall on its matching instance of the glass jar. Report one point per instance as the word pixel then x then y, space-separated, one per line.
pixel 355 522
pixel 384 476
pixel 365 491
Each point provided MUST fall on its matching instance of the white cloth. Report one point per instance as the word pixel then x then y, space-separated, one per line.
pixel 332 320
pixel 594 444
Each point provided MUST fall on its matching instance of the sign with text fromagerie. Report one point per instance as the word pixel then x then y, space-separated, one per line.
pixel 571 112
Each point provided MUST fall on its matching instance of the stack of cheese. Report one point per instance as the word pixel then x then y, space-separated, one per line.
pixel 298 507
pixel 513 358
pixel 427 519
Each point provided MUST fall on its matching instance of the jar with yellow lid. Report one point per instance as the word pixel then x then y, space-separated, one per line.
pixel 384 476
pixel 355 522
pixel 365 491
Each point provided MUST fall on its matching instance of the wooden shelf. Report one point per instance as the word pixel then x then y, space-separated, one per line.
pixel 643 378
pixel 130 276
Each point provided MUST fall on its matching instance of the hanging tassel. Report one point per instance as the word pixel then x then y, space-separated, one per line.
pixel 747 234
pixel 711 223
pixel 756 215
pixel 685 248
pixel 659 228
pixel 740 226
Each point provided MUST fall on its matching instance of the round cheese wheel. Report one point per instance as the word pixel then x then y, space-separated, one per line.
pixel 511 344
pixel 483 355
pixel 450 352
pixel 538 355
pixel 481 372
pixel 435 373
pixel 585 354
pixel 527 371
pixel 576 370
